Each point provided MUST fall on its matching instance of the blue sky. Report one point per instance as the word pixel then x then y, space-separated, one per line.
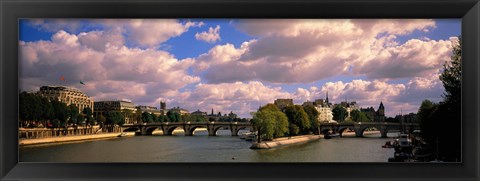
pixel 236 65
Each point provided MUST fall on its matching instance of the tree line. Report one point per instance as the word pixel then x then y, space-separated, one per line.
pixel 38 111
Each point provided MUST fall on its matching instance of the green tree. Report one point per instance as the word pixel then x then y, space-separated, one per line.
pixel 445 117
pixel 73 113
pixel 146 117
pixel 339 113
pixel 88 115
pixel 270 123
pixel 297 116
pixel 358 116
pixel 138 116
pixel 62 112
pixel 101 119
pixel 313 117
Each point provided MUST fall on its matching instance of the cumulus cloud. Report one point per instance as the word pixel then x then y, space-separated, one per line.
pixel 211 36
pixel 110 71
pixel 293 51
pixel 241 98
pixel 143 33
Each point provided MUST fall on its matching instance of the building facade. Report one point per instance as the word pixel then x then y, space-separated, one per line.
pixel 67 95
pixel 150 110
pixel 102 107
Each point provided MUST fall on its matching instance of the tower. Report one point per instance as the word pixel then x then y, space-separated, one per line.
pixel 212 112
pixel 326 99
pixel 381 109
pixel 163 105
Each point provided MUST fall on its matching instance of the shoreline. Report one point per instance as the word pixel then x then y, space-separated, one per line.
pixel 66 139
pixel 285 141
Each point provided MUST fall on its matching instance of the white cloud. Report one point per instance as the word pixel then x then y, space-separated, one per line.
pixel 109 70
pixel 304 51
pixel 211 36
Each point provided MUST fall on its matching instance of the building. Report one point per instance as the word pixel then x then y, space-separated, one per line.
pixel 123 105
pixel 150 110
pixel 349 106
pixel 282 103
pixel 199 113
pixel 325 114
pixel 380 116
pixel 67 95
pixel 179 110
pixel 323 107
pixel 377 116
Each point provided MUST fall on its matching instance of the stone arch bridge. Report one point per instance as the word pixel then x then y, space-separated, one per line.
pixel 360 127
pixel 188 127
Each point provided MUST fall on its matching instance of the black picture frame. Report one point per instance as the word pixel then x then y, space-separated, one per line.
pixel 11 11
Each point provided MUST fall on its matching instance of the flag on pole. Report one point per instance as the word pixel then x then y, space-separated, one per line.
pixel 62 78
pixel 82 83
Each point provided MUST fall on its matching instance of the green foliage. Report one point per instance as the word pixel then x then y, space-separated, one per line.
pixel 313 117
pixel 270 123
pixel 138 116
pixel 358 116
pixel 115 118
pixel 101 119
pixel 73 112
pixel 198 118
pixel 451 76
pixel 339 113
pixel 174 116
pixel 297 116
pixel 88 115
pixel 441 123
pixel 146 117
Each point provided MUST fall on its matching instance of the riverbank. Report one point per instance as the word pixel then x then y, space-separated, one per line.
pixel 285 141
pixel 62 139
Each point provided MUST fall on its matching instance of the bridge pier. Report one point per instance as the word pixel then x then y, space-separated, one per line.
pixel 383 133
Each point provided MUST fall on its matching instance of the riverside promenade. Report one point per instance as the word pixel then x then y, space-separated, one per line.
pixel 49 140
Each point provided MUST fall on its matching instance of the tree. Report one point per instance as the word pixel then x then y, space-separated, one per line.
pixel 138 116
pixel 62 112
pixel 88 115
pixel 445 117
pixel 313 117
pixel 73 113
pixel 146 117
pixel 270 123
pixel 101 119
pixel 358 116
pixel 339 113
pixel 297 116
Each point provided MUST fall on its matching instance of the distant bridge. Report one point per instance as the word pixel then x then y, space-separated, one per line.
pixel 188 127
pixel 359 128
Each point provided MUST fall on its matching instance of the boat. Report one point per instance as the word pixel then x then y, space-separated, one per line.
pixel 388 144
pixel 328 136
pixel 122 135
pixel 403 144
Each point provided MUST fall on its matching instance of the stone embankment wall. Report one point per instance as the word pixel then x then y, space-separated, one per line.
pixel 285 141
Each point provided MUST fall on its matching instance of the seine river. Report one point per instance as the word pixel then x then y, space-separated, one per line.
pixel 204 148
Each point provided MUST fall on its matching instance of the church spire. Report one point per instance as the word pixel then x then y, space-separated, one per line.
pixel 326 99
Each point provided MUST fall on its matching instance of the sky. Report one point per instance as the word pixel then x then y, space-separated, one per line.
pixel 240 64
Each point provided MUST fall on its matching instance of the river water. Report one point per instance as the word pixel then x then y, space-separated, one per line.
pixel 204 148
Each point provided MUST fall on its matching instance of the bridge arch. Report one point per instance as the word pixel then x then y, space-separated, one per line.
pixel 150 130
pixel 192 129
pixel 342 129
pixel 383 130
pixel 217 127
pixel 169 130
